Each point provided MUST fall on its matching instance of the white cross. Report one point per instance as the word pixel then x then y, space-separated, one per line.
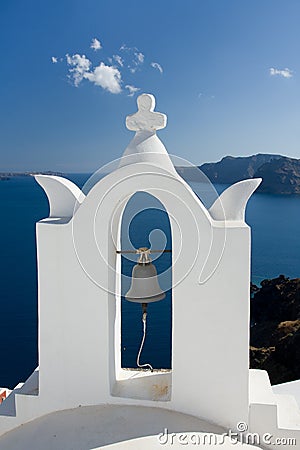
pixel 146 119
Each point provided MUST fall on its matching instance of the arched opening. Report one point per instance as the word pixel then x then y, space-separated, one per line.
pixel 145 223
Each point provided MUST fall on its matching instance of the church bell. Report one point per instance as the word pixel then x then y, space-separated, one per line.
pixel 144 283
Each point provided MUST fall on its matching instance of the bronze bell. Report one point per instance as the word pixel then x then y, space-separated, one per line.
pixel 144 284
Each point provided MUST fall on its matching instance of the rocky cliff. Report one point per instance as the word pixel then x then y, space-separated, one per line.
pixel 231 169
pixel 280 174
pixel 275 331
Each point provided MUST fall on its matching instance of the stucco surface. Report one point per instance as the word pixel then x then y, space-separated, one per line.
pixel 95 427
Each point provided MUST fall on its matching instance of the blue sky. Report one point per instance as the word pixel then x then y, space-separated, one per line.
pixel 215 84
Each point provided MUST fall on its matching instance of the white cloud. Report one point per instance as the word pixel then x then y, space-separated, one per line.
pixel 285 73
pixel 140 57
pixel 132 90
pixel 107 74
pixel 134 58
pixel 80 65
pixel 157 66
pixel 54 59
pixel 124 48
pixel 119 60
pixel 96 44
pixel 138 60
pixel 107 77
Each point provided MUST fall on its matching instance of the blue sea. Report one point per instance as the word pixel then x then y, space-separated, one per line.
pixel 275 222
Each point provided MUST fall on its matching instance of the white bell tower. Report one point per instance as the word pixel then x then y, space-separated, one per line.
pixel 79 272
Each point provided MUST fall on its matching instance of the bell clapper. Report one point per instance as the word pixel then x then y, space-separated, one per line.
pixel 144 309
pixel 144 320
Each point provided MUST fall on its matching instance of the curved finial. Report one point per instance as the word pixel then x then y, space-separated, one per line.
pixel 231 204
pixel 63 195
pixel 146 119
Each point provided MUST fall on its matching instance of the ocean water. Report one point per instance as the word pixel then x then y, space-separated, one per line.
pixel 275 222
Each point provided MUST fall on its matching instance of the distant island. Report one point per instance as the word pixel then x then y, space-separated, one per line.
pixel 280 174
pixel 5 176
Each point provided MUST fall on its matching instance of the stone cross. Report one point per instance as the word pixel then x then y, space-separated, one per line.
pixel 146 119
